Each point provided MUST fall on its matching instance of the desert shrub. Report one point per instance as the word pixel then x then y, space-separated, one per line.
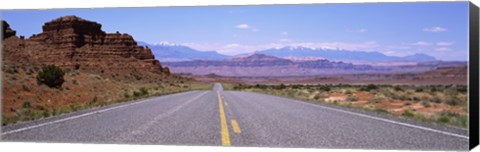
pixel 296 86
pixel 437 99
pixel 348 91
pixel 451 91
pixel 77 66
pixel 407 103
pixel 137 94
pixel 25 87
pixel 369 87
pixel 51 75
pixel 415 99
pixel 143 91
pixel 26 105
pixel 398 88
pixel 376 99
pixel 317 96
pixel 462 121
pixel 452 101
pixel 325 88
pixel 126 95
pixel 419 90
pixel 74 82
pixel 462 89
pixel 425 104
pixel 45 113
pixel 29 71
pixel 280 87
pixel 408 114
pixel 380 110
pixel 11 70
pixel 420 116
pixel 352 98
pixel 40 107
pixel 95 99
pixel 443 119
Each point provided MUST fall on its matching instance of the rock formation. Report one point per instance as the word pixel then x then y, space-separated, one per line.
pixel 7 31
pixel 76 43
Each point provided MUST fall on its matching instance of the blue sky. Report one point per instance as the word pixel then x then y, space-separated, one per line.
pixel 439 29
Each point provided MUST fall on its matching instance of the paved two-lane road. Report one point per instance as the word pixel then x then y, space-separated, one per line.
pixel 235 118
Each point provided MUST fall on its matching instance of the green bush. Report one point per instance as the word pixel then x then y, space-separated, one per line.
pixel 398 88
pixel 452 101
pixel 52 76
pixel 317 96
pixel 376 99
pixel 369 87
pixel 443 119
pixel 143 91
pixel 137 94
pixel 281 86
pixel 126 95
pixel 408 114
pixel 325 88
pixel 381 110
pixel 425 104
pixel 352 98
pixel 95 99
pixel 26 104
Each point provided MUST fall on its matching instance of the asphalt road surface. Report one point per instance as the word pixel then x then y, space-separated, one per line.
pixel 232 118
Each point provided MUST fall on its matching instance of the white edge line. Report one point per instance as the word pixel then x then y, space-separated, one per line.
pixel 74 117
pixel 381 119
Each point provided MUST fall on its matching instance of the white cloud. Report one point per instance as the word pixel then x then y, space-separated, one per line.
pixel 445 43
pixel 419 43
pixel 284 33
pixel 357 30
pixel 246 26
pixel 442 49
pixel 242 26
pixel 435 29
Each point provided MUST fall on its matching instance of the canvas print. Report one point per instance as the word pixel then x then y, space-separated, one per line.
pixel 355 76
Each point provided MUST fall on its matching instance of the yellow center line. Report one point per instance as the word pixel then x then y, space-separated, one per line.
pixel 236 129
pixel 223 123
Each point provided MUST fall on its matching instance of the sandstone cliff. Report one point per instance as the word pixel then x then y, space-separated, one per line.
pixel 76 43
pixel 7 31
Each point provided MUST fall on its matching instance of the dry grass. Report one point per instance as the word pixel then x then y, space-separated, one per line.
pixel 442 104
pixel 24 100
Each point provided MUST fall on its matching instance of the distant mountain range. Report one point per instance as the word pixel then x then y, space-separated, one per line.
pixel 173 52
pixel 342 55
pixel 261 65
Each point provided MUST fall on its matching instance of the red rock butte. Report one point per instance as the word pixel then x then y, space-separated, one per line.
pixel 73 42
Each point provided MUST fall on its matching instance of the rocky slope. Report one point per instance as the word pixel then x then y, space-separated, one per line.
pixel 76 43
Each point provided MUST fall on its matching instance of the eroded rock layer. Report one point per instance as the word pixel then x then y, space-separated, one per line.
pixel 76 43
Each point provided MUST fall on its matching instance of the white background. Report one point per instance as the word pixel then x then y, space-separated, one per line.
pixel 46 4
